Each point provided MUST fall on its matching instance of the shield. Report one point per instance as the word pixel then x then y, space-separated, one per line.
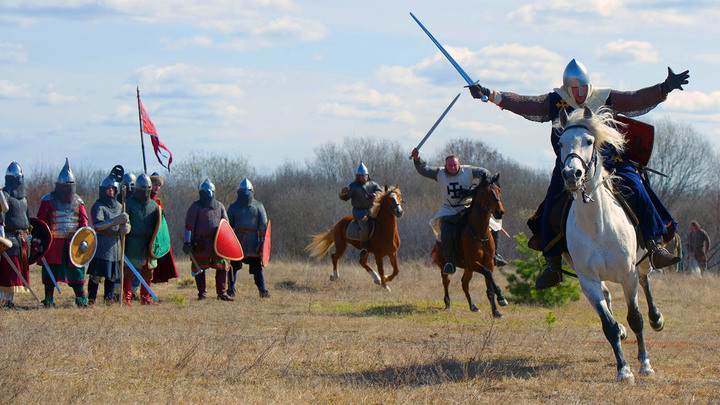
pixel 41 240
pixel 640 138
pixel 265 254
pixel 160 241
pixel 226 243
pixel 80 257
pixel 117 173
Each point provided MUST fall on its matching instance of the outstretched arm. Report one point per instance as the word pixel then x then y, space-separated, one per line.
pixel 534 108
pixel 421 167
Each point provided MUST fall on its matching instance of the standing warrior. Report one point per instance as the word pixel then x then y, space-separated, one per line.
pixel 577 92
pixel 14 224
pixel 165 269
pixel 362 192
pixel 248 219
pixel 144 216
pixel 201 225
pixel 698 246
pixel 64 213
pixel 109 223
pixel 454 181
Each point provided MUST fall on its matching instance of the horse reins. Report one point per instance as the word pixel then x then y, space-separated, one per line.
pixel 593 161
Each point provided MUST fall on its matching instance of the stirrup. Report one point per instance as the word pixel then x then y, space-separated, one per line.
pixel 449 268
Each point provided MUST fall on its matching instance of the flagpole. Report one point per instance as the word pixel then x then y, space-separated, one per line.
pixel 142 142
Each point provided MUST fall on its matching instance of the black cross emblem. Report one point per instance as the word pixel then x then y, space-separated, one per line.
pixel 454 191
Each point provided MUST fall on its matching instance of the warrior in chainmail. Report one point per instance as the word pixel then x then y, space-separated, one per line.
pixel 201 225
pixel 144 216
pixel 577 92
pixel 454 181
pixel 248 219
pixel 14 224
pixel 362 194
pixel 64 213
pixel 109 223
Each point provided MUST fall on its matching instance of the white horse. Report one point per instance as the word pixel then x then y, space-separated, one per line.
pixel 601 240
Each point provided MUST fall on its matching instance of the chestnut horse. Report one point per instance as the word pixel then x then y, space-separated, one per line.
pixel 478 246
pixel 384 240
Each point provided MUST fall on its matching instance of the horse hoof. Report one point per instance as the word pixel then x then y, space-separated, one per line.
pixel 503 302
pixel 497 315
pixel 658 325
pixel 626 376
pixel 334 277
pixel 387 288
pixel 447 303
pixel 473 308
pixel 623 332
pixel 646 369
pixel 378 282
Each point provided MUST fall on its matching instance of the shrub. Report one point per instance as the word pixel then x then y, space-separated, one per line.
pixel 521 283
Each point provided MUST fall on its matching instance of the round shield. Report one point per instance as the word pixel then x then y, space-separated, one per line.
pixel 41 240
pixel 160 241
pixel 227 245
pixel 82 246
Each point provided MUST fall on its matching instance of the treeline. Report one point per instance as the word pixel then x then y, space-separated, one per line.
pixel 301 198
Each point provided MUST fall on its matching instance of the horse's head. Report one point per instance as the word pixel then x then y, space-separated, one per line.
pixel 487 196
pixel 583 134
pixel 390 199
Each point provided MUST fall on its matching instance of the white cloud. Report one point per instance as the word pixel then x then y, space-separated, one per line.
pixel 12 53
pixel 10 90
pixel 480 127
pixel 628 51
pixel 693 101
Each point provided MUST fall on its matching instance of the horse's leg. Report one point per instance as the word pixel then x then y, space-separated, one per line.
pixel 491 288
pixel 657 321
pixel 446 283
pixel 394 264
pixel 364 263
pixel 635 320
pixel 340 246
pixel 467 276
pixel 608 301
pixel 381 271
pixel 594 293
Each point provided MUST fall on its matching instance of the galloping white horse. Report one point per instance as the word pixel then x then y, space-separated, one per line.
pixel 600 238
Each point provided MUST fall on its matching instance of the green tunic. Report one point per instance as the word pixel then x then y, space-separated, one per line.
pixel 143 218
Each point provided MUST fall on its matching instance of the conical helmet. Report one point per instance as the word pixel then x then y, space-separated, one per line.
pixel 66 175
pixel 362 169
pixel 575 75
pixel 207 185
pixel 246 185
pixel 14 170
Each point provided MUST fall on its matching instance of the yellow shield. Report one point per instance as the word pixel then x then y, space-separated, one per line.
pixel 82 246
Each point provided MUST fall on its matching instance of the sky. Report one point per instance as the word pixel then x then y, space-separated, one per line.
pixel 270 80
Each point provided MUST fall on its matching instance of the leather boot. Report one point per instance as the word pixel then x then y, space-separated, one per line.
pixel 499 260
pixel 127 292
pixel 200 283
pixel 48 301
pixel 220 280
pixel 659 256
pixel 551 275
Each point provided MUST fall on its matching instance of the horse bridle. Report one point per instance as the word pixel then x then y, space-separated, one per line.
pixel 398 207
pixel 586 165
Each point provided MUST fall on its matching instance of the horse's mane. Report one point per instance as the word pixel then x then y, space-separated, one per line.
pixel 377 203
pixel 602 125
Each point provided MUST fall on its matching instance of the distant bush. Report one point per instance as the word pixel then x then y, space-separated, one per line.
pixel 521 283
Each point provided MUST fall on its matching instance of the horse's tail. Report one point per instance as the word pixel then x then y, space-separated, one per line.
pixel 321 244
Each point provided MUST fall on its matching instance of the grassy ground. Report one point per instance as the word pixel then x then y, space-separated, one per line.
pixel 349 341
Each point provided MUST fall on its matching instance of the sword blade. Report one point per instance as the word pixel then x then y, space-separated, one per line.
pixel 142 280
pixel 25 283
pixel 47 268
pixel 422 142
pixel 460 70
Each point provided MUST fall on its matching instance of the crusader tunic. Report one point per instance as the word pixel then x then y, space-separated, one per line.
pixel 452 189
pixel 63 219
pixel 16 222
pixel 652 214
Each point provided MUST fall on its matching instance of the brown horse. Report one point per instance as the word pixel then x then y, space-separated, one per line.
pixel 478 246
pixel 384 240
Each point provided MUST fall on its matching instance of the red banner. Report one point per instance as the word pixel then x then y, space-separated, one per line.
pixel 149 128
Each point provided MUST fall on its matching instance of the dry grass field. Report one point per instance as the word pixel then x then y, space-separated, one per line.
pixel 317 341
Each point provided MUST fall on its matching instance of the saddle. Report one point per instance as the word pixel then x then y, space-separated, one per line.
pixel 358 232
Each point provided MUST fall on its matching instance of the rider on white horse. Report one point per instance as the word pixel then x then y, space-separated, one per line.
pixel 577 92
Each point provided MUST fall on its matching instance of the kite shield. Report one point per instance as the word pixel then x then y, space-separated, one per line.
pixel 82 246
pixel 640 139
pixel 226 244
pixel 160 241
pixel 265 254
pixel 41 240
